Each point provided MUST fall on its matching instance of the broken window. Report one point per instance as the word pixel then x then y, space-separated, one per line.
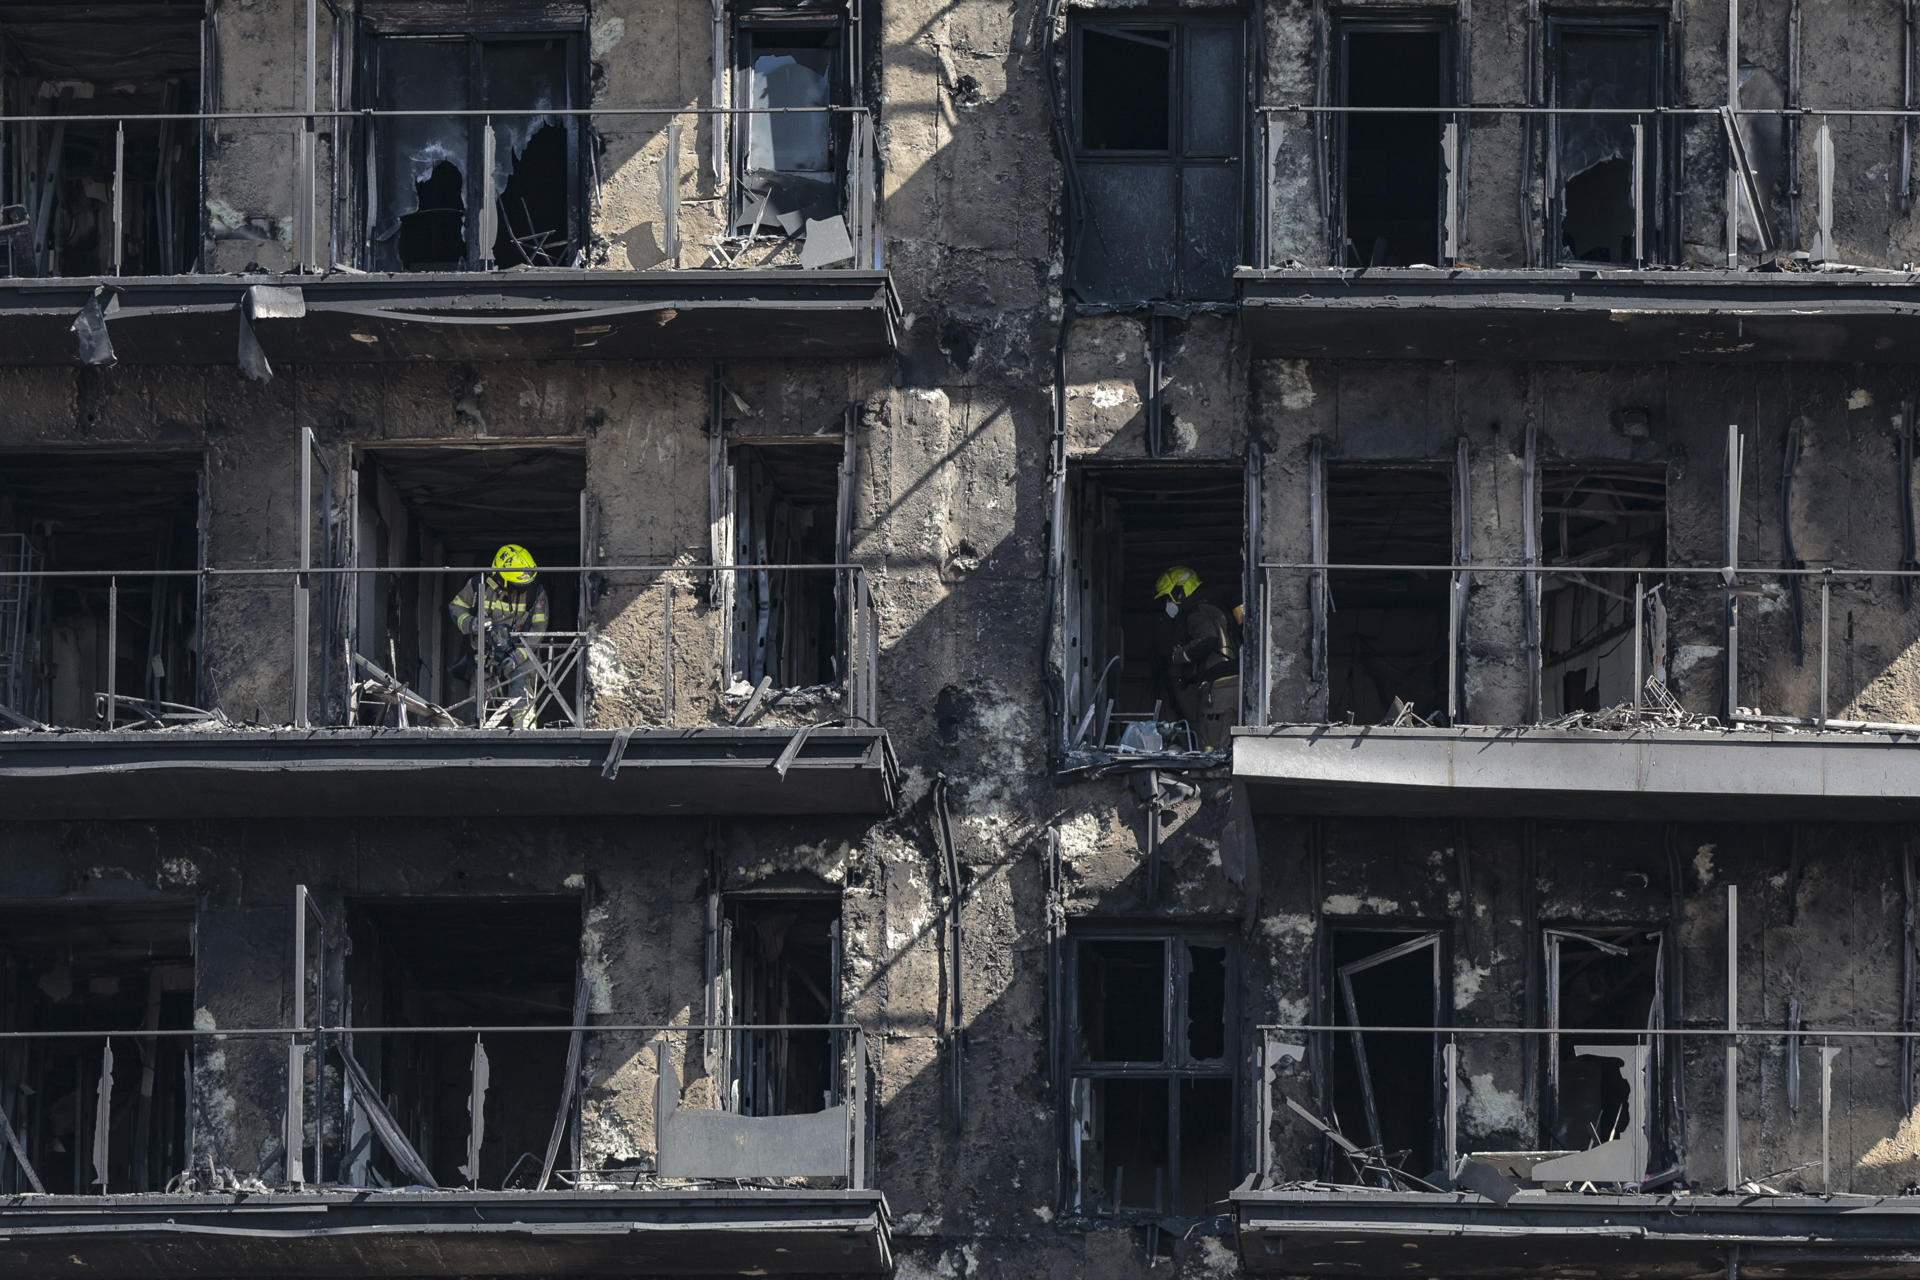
pixel 783 954
pixel 86 1122
pixel 1385 1086
pixel 1153 1053
pixel 442 505
pixel 1388 630
pixel 1599 212
pixel 433 202
pixel 1602 1089
pixel 63 641
pixel 454 962
pixel 788 504
pixel 1608 516
pixel 1157 145
pixel 790 161
pixel 1136 677
pixel 134 60
pixel 1392 181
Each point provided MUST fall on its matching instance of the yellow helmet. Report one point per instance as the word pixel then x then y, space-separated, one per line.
pixel 1177 579
pixel 514 563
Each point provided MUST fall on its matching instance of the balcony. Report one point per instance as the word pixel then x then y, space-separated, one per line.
pixel 1397 266
pixel 330 274
pixel 720 1192
pixel 1772 1173
pixel 622 713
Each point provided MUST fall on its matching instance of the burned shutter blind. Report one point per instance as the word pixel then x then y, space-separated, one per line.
pixel 387 16
pixel 1157 125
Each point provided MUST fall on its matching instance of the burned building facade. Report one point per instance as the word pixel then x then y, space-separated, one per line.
pixel 845 880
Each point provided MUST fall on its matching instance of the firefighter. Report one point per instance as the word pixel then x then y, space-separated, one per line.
pixel 516 605
pixel 1196 648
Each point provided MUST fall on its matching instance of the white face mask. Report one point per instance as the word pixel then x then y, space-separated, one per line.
pixel 1173 608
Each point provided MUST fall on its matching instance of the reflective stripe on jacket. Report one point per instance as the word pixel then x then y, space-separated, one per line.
pixel 518 608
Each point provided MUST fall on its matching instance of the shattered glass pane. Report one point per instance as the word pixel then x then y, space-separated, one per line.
pixel 1206 1003
pixel 1126 88
pixel 1615 69
pixel 1122 1144
pixel 417 74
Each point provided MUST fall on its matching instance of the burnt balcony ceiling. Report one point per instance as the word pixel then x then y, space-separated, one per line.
pixel 1586 314
pixel 523 314
pixel 446 773
pixel 1366 1232
pixel 703 1232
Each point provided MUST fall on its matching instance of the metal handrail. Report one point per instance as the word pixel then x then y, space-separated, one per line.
pixel 859 194
pixel 849 1039
pixel 1732 581
pixel 858 665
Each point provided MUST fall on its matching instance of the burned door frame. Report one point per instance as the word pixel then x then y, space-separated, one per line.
pixel 724 530
pixel 1174 1066
pixel 1338 987
pixel 1176 155
pixel 744 22
pixel 1663 1010
pixel 1657 214
pixel 410 20
pixel 1410 21
pixel 728 1049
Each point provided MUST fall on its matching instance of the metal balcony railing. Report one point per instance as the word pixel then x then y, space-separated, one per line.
pixel 1636 586
pixel 319 206
pixel 329 1091
pixel 537 677
pixel 1652 144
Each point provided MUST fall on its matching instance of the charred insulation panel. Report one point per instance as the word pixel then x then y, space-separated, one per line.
pixel 1157 140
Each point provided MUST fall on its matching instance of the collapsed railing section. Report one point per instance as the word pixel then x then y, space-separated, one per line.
pixel 1629 1104
pixel 813 629
pixel 1634 177
pixel 354 214
pixel 362 1108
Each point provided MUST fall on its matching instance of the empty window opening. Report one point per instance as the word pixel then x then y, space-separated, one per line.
pixel 784 970
pixel 1126 88
pixel 790 158
pixel 1598 517
pixel 1137 677
pixel 1157 132
pixel 95 967
pixel 1599 978
pixel 108 513
pixel 1387 629
pixel 57 177
pixel 435 505
pixel 1610 66
pixel 451 962
pixel 1152 1044
pixel 1392 176
pixel 433 203
pixel 1385 1085
pixel 787 511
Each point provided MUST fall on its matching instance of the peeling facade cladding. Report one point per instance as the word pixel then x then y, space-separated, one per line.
pixel 1018 391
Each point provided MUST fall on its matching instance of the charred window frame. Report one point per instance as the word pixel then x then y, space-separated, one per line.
pixel 777 962
pixel 1398 139
pixel 790 168
pixel 1597 151
pixel 1160 201
pixel 503 218
pixel 1154 1091
pixel 1597 978
pixel 1378 1090
pixel 1599 515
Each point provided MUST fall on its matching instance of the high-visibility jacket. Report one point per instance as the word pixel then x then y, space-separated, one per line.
pixel 518 608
